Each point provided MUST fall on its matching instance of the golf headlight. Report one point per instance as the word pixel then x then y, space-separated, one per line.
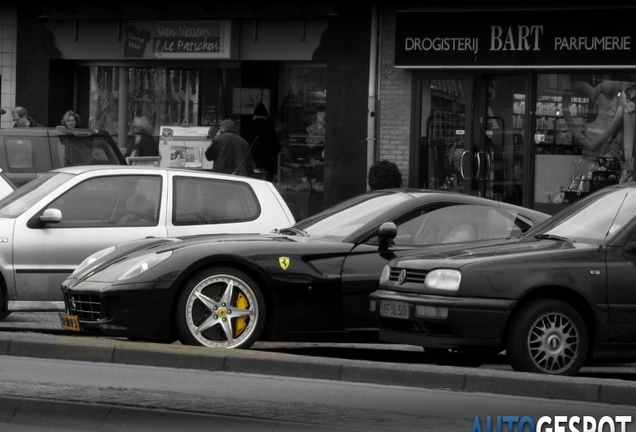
pixel 145 264
pixel 443 280
pixel 386 272
pixel 91 259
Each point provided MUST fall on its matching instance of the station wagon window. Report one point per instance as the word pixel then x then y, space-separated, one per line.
pixel 86 150
pixel 200 201
pixel 110 201
pixel 19 154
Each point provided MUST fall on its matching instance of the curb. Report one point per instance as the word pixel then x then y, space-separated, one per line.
pixel 609 391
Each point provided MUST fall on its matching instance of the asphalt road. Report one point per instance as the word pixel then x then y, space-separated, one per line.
pixel 402 354
pixel 237 401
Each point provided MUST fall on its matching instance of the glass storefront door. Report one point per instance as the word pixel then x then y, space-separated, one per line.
pixel 501 161
pixel 445 128
pixel 473 135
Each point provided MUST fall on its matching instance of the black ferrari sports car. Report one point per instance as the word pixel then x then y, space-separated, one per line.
pixel 310 281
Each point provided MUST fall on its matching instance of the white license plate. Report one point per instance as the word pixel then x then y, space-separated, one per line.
pixel 69 322
pixel 394 309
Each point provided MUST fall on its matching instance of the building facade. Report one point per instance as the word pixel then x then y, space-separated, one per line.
pixel 507 103
pixel 191 66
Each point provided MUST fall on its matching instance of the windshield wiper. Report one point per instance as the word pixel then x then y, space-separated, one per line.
pixel 551 237
pixel 290 230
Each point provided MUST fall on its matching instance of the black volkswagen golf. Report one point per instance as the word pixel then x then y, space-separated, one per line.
pixel 559 295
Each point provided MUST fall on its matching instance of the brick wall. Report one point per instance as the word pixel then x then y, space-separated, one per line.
pixel 8 19
pixel 394 100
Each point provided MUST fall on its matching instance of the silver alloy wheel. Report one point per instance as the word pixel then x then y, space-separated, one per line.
pixel 214 315
pixel 553 342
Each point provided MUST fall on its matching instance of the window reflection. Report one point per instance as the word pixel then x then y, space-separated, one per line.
pixel 584 134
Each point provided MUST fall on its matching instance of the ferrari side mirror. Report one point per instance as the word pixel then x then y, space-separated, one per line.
pixel 387 232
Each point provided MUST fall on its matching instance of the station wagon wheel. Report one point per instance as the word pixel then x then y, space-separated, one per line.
pixel 220 307
pixel 547 336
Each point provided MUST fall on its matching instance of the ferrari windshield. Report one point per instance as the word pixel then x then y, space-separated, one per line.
pixel 343 219
pixel 594 220
pixel 23 198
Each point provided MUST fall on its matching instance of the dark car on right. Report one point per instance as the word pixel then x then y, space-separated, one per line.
pixel 560 295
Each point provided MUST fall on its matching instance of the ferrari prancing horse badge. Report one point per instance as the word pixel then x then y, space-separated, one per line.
pixel 284 262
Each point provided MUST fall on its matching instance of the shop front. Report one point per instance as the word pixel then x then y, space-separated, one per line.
pixel 517 106
pixel 187 75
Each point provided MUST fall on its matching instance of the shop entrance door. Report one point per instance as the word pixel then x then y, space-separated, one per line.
pixel 443 161
pixel 473 134
pixel 503 112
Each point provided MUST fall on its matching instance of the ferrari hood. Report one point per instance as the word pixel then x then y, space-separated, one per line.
pixel 220 243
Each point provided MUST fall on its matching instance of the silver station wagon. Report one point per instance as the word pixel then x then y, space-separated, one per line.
pixel 50 225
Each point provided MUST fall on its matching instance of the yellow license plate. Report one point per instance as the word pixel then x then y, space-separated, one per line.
pixel 69 322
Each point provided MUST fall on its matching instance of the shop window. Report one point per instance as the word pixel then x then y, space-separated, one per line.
pixel 583 134
pixel 166 96
pixel 301 125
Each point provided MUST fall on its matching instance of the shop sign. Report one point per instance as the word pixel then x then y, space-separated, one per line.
pixel 523 38
pixel 178 39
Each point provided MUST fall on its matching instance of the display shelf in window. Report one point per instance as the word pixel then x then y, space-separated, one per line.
pixel 445 124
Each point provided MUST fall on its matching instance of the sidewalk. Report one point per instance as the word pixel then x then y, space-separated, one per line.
pixel 501 382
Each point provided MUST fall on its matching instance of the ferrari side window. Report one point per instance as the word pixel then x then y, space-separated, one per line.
pixel 451 224
pixel 407 227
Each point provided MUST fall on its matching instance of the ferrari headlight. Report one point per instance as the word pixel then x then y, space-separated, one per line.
pixel 386 272
pixel 145 264
pixel 91 259
pixel 443 280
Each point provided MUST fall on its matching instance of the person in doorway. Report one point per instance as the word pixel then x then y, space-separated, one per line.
pixel 230 152
pixel 70 120
pixel 264 141
pixel 21 118
pixel 143 142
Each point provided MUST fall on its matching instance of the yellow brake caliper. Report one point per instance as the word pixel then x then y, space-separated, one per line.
pixel 240 323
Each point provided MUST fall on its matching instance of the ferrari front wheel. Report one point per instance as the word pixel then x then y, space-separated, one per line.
pixel 220 307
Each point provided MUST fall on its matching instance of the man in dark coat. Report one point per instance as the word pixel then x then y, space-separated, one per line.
pixel 21 118
pixel 230 152
pixel 265 147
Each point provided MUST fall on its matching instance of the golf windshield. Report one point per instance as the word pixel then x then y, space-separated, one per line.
pixel 594 220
